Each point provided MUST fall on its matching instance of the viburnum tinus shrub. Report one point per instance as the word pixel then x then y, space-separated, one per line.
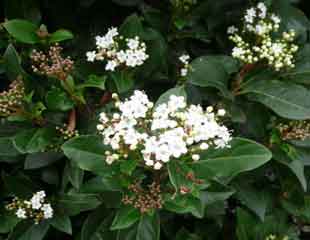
pixel 168 120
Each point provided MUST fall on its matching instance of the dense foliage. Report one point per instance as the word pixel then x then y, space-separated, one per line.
pixel 148 120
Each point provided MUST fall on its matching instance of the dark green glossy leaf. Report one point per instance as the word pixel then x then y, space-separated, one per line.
pixel 73 204
pixel 22 30
pixel 62 223
pixel 41 159
pixel 56 99
pixel 88 152
pixel 33 140
pixel 125 217
pixel 208 72
pixel 243 155
pixel 286 99
pixel 60 35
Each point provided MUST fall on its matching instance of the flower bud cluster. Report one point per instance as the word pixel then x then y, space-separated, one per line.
pixel 66 133
pixel 12 99
pixel 37 208
pixel 184 59
pixel 144 200
pixel 294 130
pixel 63 134
pixel 52 64
pixel 171 130
pixel 118 51
pixel 255 41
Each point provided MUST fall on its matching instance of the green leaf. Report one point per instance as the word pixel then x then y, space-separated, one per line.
pixel 243 155
pixel 178 177
pixel 41 159
pixel 294 163
pixel 75 203
pixel 7 148
pixel 286 99
pixel 22 30
pixel 12 63
pixel 96 226
pixel 56 99
pixel 255 199
pixel 99 185
pixel 60 35
pixel 34 232
pixel 62 223
pixel 88 152
pixel 131 27
pixel 185 204
pixel 128 166
pixel 33 140
pixel 207 71
pixel 229 63
pixel 7 222
pixel 92 223
pixel 178 91
pixel 76 175
pixel 149 227
pixel 123 81
pixel 94 81
pixel 125 217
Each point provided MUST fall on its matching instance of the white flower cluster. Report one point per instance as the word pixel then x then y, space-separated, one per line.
pixel 117 51
pixel 159 134
pixel 37 207
pixel 259 26
pixel 185 64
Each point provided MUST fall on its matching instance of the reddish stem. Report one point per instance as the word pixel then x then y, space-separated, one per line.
pixel 246 68
pixel 72 120
pixel 106 98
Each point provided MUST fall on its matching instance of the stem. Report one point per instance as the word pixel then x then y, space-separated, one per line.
pixel 106 98
pixel 239 79
pixel 72 120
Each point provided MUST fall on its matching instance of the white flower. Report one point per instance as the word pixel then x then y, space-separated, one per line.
pixel 232 30
pixel 21 213
pixel 221 112
pixel 204 146
pixel 260 29
pixel 162 153
pixel 184 58
pixel 237 52
pixel 163 133
pixel 184 72
pixel 113 32
pixel 176 102
pixel 112 49
pixel 91 56
pixel 36 201
pixel 111 65
pixel 158 166
pixel 263 9
pixel 264 45
pixel 133 43
pixel 47 210
pixel 250 15
pixel 275 19
pixel 195 157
